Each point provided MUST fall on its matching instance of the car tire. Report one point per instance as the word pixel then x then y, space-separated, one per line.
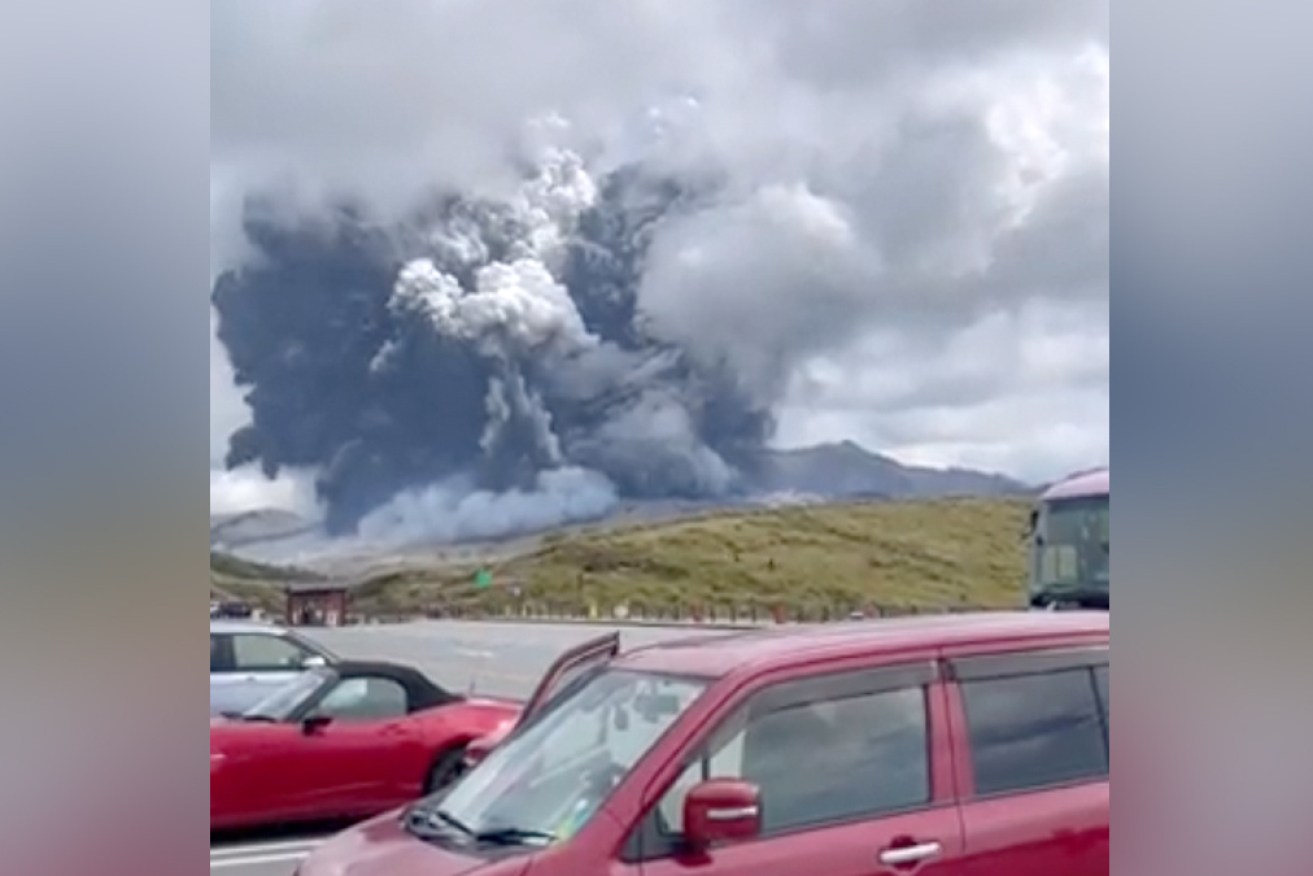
pixel 446 768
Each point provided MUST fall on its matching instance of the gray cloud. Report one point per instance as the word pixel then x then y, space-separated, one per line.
pixel 901 232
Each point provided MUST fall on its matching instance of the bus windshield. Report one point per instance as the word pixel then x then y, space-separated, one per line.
pixel 1070 551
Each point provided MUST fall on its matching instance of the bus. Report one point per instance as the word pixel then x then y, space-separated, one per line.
pixel 1068 538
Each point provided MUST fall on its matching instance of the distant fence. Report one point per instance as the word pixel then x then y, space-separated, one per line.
pixel 512 599
pixel 680 614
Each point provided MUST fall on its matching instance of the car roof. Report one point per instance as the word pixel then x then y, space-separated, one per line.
pixel 422 691
pixel 218 625
pixel 782 647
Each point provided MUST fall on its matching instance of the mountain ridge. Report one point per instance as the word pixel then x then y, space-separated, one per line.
pixel 829 472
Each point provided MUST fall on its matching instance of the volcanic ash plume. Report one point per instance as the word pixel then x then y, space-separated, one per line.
pixel 479 368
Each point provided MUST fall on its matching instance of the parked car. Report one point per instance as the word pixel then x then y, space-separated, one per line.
pixel 249 660
pixel 964 744
pixel 343 741
pixel 231 608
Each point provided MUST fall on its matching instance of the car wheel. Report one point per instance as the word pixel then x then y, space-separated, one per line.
pixel 445 770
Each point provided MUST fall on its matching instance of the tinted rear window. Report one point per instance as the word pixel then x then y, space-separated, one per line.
pixel 1035 731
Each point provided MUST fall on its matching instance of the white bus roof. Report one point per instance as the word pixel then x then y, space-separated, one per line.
pixel 1086 483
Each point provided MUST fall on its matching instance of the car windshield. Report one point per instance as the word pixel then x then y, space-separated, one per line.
pixel 283 702
pixel 1071 549
pixel 547 779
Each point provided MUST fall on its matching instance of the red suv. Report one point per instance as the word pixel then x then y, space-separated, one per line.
pixel 969 744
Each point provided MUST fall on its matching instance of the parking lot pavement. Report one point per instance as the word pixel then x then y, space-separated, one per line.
pixel 500 659
pixel 503 659
pixel 278 858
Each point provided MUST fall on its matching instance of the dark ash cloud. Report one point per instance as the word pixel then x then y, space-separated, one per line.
pixel 571 251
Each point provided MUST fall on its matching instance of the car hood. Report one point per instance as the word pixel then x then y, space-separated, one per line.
pixel 381 847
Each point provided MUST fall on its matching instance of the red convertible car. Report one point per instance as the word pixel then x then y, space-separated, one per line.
pixel 343 741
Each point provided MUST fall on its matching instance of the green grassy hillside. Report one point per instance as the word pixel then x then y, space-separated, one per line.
pixel 255 583
pixel 928 555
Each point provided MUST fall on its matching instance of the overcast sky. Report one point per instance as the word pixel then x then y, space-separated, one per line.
pixel 913 244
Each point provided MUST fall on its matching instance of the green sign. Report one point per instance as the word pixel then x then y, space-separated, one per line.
pixel 483 579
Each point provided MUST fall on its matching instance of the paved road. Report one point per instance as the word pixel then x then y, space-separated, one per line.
pixel 506 659
pixel 260 858
pixel 493 658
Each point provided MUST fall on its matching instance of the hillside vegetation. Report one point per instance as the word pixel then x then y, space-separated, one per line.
pixel 255 583
pixel 229 566
pixel 909 555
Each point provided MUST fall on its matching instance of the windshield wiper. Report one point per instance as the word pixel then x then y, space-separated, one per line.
pixel 455 822
pixel 515 836
pixel 427 822
pixel 248 716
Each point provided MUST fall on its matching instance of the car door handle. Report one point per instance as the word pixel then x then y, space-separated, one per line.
pixel 904 855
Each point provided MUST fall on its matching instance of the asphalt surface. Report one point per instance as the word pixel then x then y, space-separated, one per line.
pixel 500 659
pixel 266 857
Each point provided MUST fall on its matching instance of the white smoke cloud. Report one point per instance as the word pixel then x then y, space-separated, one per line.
pixel 550 204
pixel 452 512
pixel 247 489
pixel 515 309
pixel 757 281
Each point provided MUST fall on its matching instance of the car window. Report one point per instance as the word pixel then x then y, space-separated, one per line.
pixel 218 663
pixel 818 761
pixel 364 699
pixel 555 773
pixel 260 651
pixel 568 680
pixel 1035 731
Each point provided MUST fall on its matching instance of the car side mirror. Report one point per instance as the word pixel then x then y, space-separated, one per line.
pixel 718 810
pixel 314 661
pixel 313 724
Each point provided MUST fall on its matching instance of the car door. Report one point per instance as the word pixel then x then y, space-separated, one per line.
pixel 355 747
pixel 569 667
pixel 251 786
pixel 853 775
pixel 1034 765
